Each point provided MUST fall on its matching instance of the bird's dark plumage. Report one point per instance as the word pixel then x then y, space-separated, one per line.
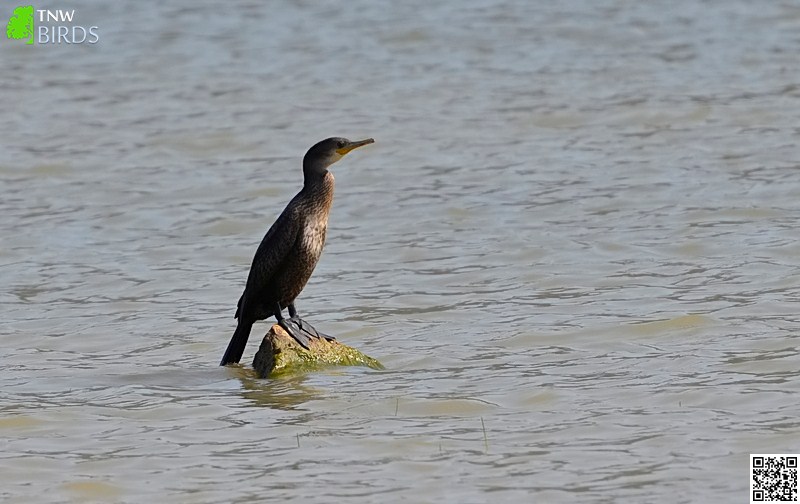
pixel 290 250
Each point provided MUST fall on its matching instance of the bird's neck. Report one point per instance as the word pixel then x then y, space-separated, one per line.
pixel 320 185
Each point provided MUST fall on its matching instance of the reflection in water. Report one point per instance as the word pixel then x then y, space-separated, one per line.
pixel 578 231
pixel 286 393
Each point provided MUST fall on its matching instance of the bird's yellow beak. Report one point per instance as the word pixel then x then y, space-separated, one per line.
pixel 354 145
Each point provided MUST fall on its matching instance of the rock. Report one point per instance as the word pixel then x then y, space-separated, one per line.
pixel 280 354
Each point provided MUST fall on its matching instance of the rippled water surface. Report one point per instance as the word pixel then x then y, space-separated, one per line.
pixel 574 245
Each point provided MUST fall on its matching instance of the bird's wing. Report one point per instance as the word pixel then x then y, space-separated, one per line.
pixel 272 251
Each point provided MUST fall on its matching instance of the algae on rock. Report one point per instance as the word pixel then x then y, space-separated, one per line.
pixel 280 354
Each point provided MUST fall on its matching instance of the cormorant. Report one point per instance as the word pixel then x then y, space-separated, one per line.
pixel 290 250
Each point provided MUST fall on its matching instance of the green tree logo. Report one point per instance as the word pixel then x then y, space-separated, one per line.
pixel 20 24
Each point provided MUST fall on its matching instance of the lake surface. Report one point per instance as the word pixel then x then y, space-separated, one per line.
pixel 574 245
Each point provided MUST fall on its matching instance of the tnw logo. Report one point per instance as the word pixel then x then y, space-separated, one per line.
pixel 20 24
pixel 52 27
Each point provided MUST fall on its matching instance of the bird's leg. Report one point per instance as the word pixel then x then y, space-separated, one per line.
pixel 292 328
pixel 305 326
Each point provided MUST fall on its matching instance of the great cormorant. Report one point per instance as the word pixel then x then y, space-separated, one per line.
pixel 290 250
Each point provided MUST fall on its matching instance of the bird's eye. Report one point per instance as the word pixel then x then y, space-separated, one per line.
pixel 340 144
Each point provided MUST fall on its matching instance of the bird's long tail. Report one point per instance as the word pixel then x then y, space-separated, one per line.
pixel 238 342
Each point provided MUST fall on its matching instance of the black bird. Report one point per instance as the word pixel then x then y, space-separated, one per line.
pixel 290 250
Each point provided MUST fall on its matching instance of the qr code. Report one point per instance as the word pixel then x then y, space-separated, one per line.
pixel 773 478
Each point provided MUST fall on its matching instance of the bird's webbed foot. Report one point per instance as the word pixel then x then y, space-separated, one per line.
pixel 305 326
pixel 309 329
pixel 295 331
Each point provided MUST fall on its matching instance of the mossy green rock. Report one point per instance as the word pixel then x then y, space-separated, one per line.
pixel 280 354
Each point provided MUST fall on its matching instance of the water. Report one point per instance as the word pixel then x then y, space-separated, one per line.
pixel 574 246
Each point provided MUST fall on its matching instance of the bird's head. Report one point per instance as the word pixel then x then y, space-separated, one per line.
pixel 325 153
